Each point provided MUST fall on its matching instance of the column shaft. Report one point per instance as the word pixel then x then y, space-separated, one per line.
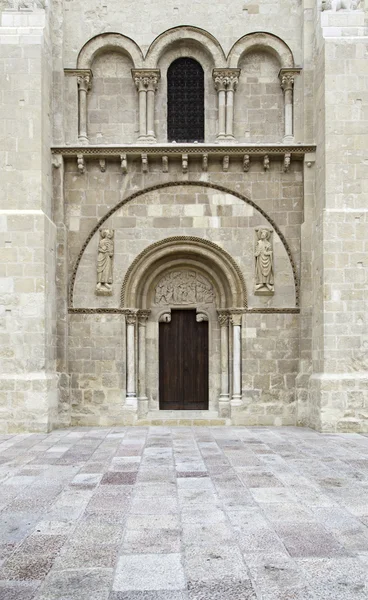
pixel 225 362
pixel 229 112
pixel 288 111
pixel 82 113
pixel 150 113
pixel 131 393
pixel 236 399
pixel 142 112
pixel 221 113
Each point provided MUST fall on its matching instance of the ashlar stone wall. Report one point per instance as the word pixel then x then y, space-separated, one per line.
pixel 97 342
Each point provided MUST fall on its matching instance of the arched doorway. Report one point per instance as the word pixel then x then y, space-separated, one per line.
pixel 186 296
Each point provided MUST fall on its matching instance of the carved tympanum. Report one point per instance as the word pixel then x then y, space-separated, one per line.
pixel 104 262
pixel 264 273
pixel 183 287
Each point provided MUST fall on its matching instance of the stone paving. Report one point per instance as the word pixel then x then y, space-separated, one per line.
pixel 184 513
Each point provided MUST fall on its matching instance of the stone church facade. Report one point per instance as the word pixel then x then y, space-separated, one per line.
pixel 184 193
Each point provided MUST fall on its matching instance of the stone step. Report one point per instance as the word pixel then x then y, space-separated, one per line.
pixel 186 418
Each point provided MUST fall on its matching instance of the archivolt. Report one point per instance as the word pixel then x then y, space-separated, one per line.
pixel 168 184
pixel 188 251
pixel 107 42
pixel 200 37
pixel 261 41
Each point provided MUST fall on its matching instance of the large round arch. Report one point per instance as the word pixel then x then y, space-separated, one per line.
pixel 168 184
pixel 179 252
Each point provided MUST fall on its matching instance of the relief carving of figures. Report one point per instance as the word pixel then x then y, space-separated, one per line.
pixel 184 287
pixel 264 273
pixel 104 262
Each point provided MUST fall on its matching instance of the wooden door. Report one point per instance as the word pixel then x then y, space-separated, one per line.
pixel 183 362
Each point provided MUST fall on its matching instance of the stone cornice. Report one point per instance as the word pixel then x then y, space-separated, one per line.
pixel 135 150
pixel 78 73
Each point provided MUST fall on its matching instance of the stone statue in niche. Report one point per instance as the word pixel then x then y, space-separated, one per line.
pixel 264 275
pixel 183 287
pixel 104 262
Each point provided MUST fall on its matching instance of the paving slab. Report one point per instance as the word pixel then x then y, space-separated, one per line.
pixel 181 513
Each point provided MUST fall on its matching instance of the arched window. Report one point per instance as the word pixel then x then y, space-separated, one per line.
pixel 185 101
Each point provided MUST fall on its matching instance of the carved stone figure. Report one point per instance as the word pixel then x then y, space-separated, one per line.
pixel 264 276
pixel 104 262
pixel 183 287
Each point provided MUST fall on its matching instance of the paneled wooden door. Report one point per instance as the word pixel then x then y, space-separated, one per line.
pixel 183 362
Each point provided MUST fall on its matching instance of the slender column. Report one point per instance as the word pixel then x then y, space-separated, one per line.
pixel 223 318
pixel 236 399
pixel 146 82
pixel 131 394
pixel 84 85
pixel 142 103
pixel 287 84
pixel 142 392
pixel 225 81
pixel 221 93
pixel 231 87
pixel 151 90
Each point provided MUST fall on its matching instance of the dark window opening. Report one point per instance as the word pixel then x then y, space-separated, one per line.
pixel 185 101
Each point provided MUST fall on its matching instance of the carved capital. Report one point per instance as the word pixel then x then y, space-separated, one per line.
pixel 131 317
pixel 223 318
pixel 236 318
pixel 287 78
pixel 226 79
pixel 336 5
pixel 84 82
pixel 143 316
pixel 146 79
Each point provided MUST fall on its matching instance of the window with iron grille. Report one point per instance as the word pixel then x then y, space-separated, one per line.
pixel 185 101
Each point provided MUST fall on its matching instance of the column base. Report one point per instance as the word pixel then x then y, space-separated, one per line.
pixel 288 138
pixel 131 403
pixel 224 406
pixel 221 137
pixel 83 140
pixel 147 139
pixel 230 139
pixel 142 407
pixel 236 400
